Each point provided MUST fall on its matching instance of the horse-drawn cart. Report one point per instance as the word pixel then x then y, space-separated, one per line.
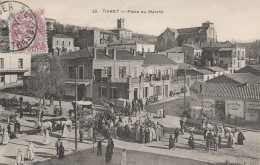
pixel 84 108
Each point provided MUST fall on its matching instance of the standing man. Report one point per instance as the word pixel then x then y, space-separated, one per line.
pixel 182 126
pixel 58 144
pixel 164 115
pixel 112 145
pixel 81 134
pixel 21 101
pixel 9 129
pixel 61 151
pixel 176 134
pixel 99 146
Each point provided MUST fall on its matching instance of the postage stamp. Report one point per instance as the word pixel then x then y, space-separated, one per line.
pixel 28 31
pixel 21 36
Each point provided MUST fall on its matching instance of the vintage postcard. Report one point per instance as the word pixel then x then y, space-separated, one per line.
pixel 130 82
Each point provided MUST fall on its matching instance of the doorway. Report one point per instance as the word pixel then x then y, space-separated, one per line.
pixel 220 109
pixel 135 93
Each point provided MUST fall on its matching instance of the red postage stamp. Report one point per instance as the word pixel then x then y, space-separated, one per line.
pixel 28 32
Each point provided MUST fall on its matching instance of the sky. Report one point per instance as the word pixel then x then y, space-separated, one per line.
pixel 237 20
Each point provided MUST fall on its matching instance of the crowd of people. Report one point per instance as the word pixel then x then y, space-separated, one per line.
pixel 147 130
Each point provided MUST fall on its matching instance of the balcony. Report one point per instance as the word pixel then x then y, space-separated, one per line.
pixel 13 70
pixel 103 79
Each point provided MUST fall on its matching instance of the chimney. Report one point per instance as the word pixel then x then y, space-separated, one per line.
pixel 106 50
pixel 114 54
pixel 94 53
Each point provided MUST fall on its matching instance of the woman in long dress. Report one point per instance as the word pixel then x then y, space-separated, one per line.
pixel 30 151
pixel 124 158
pixel 65 131
pixel 5 137
pixel 19 157
pixel 46 137
pixel 90 133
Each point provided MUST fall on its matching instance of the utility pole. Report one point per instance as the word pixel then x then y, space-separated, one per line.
pixel 184 85
pixel 76 109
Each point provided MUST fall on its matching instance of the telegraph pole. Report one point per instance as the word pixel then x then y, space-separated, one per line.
pixel 76 109
pixel 184 85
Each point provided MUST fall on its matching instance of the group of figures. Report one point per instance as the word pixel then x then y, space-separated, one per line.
pixel 161 113
pixel 147 130
pixel 8 133
pixel 29 154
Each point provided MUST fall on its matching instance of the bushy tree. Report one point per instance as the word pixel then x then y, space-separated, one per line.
pixel 44 83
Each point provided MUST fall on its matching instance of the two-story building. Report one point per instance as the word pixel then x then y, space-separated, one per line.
pixel 133 45
pixel 157 72
pixel 62 43
pixel 13 67
pixel 224 54
pixel 95 37
pixel 122 33
pixel 175 54
pixel 193 55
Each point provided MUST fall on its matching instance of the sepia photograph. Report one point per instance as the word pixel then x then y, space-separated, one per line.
pixel 129 82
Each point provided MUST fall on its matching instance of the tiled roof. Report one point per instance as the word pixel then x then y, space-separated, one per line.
pixel 253 69
pixel 82 53
pixel 120 55
pixel 216 69
pixel 244 78
pixel 228 90
pixel 61 36
pixel 128 42
pixel 221 45
pixel 120 29
pixel 189 30
pixel 185 66
pixel 175 50
pixel 237 78
pixel 204 71
pixel 157 59
pixel 193 46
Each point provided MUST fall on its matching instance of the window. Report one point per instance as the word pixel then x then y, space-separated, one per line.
pixel 146 92
pixel 234 61
pixel 157 90
pixel 57 43
pixel 71 72
pixel 103 92
pixel 122 71
pixel 238 65
pixel 62 43
pixel 107 71
pixel 148 49
pixel 1 63
pixel 135 71
pixel 208 78
pixel 81 72
pixel 69 43
pixel 2 78
pixel 20 63
pixel 113 93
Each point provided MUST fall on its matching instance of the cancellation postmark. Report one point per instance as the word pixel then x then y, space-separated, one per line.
pixel 27 31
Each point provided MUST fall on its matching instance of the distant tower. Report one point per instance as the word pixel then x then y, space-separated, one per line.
pixel 121 23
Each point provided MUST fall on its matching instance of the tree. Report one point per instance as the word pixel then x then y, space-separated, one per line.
pixel 44 83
